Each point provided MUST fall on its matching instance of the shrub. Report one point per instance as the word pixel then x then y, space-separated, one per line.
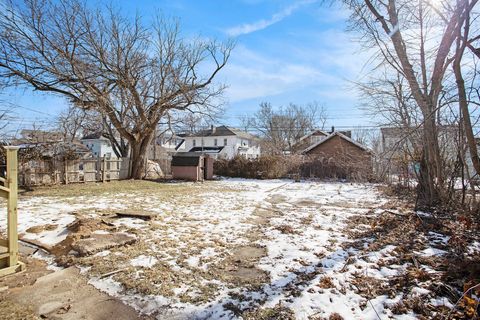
pixel 279 166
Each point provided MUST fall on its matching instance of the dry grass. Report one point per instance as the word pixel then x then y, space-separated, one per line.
pixel 117 187
pixel 11 310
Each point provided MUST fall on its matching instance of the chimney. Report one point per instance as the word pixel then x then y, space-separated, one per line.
pixel 212 129
pixel 333 129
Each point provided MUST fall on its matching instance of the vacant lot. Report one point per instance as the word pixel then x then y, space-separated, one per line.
pixel 231 248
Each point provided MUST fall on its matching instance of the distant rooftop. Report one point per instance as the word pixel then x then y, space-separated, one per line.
pixel 222 131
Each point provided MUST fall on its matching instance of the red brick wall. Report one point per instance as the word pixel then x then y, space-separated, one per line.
pixel 342 153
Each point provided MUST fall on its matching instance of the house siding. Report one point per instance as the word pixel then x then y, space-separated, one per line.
pixel 235 145
pixel 192 173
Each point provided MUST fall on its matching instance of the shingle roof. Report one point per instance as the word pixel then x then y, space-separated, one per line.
pixel 341 135
pixel 185 161
pixel 93 136
pixel 222 131
pixel 206 149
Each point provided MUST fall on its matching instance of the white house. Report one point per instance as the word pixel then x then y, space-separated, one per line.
pixel 98 145
pixel 223 142
pixel 171 143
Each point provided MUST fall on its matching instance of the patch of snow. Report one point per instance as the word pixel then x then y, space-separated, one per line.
pixel 102 253
pixel 100 232
pixel 107 285
pixel 429 252
pixel 48 258
pixel 441 302
pixel 143 261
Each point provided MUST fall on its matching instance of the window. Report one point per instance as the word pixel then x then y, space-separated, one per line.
pixel 194 142
pixel 225 141
pixel 215 142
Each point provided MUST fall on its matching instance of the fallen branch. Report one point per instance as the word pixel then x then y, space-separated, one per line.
pixel 396 214
pixel 112 273
pixel 463 295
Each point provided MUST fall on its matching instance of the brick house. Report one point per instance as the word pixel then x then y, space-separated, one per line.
pixel 337 155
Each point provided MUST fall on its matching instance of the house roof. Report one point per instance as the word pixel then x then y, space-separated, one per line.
pixel 94 136
pixel 206 149
pixel 331 136
pixel 185 161
pixel 313 133
pixel 222 131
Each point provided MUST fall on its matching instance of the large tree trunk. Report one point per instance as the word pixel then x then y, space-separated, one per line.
pixel 138 155
pixel 465 116
pixel 462 95
pixel 430 179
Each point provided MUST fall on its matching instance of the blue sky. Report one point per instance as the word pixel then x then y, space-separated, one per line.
pixel 287 51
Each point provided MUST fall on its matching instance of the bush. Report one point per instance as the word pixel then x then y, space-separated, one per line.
pixel 278 166
pixel 264 167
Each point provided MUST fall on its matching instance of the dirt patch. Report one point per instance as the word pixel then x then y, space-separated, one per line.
pixel 35 269
pixel 239 268
pixel 278 312
pixel 38 229
pixel 249 253
pixel 66 295
pixel 12 310
pixel 262 216
pixel 286 229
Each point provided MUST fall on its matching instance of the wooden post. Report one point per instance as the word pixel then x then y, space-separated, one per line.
pixel 12 218
pixel 66 170
pixel 10 191
pixel 104 168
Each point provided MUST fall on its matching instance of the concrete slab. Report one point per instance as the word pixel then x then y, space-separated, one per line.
pixel 99 242
pixel 66 295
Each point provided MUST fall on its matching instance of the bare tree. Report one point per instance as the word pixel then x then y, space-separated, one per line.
pixel 416 44
pixel 283 127
pixel 130 73
pixel 71 122
pixel 463 41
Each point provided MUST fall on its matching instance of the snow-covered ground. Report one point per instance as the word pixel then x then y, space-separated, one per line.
pixel 220 248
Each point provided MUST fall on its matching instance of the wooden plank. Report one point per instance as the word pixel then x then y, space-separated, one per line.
pixel 138 214
pixel 19 267
pixel 12 217
pixel 4 194
pixel 104 168
pixel 3 243
pixel 66 172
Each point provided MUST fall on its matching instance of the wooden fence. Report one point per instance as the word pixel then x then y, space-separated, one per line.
pixel 47 172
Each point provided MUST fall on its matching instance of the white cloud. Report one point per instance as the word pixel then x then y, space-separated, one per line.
pixel 264 23
pixel 253 75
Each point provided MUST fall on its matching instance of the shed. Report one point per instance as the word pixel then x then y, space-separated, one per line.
pixel 192 166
